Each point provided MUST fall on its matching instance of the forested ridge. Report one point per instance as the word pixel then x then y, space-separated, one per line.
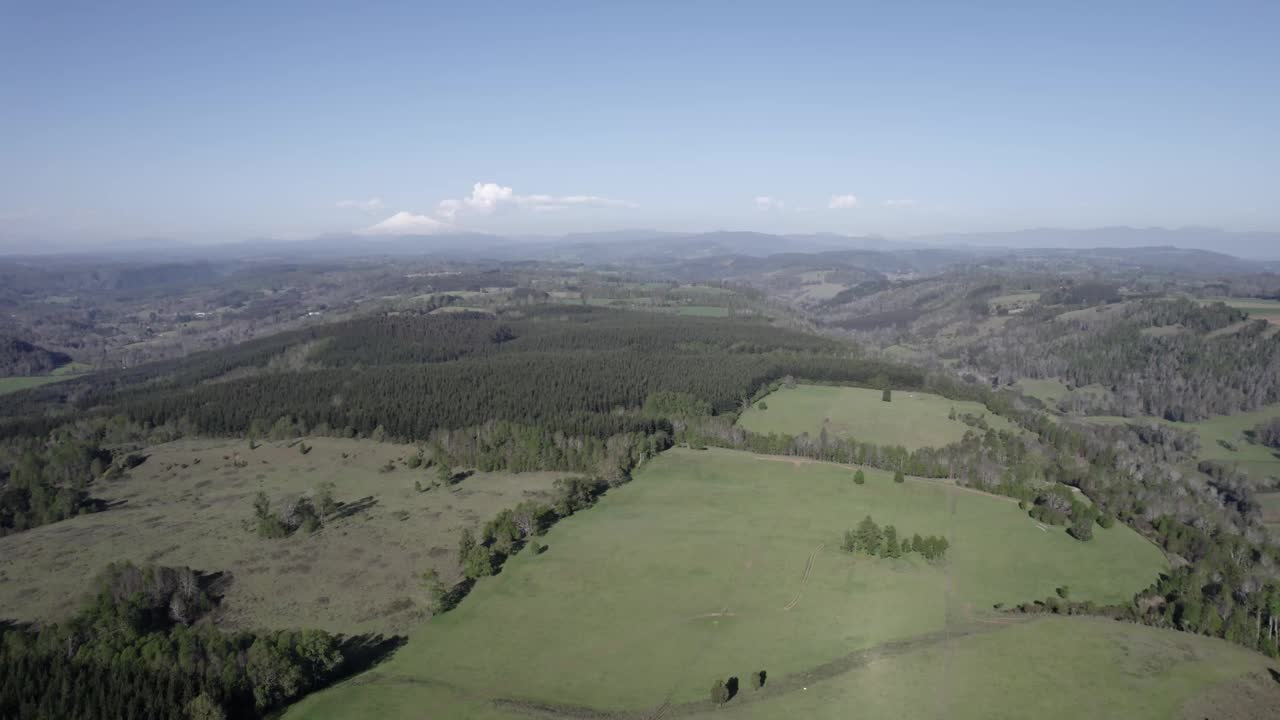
pixel 569 368
pixel 1210 362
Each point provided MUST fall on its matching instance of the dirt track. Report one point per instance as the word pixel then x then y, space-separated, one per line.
pixel 808 569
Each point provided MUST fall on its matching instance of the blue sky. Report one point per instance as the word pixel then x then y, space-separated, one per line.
pixel 224 121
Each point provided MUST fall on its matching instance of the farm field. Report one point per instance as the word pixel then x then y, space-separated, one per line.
pixel 169 514
pixel 912 420
pixel 752 544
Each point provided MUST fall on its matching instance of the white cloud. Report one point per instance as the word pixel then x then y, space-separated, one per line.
pixel 902 203
pixel 843 202
pixel 406 223
pixel 373 204
pixel 485 198
pixel 768 202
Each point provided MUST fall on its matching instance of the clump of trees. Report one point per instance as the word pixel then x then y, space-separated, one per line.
pixel 1057 505
pixel 46 480
pixel 872 539
pixel 138 649
pixel 1268 433
pixel 303 513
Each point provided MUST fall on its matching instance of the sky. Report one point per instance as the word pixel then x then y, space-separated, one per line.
pixel 225 121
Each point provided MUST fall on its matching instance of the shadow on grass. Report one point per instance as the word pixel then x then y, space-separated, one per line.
pixel 362 652
pixel 348 509
pixel 456 595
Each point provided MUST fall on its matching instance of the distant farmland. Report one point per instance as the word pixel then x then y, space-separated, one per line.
pixel 911 419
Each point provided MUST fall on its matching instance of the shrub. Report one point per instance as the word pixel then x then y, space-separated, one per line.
pixel 1082 527
pixel 859 478
pixel 719 692
pixel 898 477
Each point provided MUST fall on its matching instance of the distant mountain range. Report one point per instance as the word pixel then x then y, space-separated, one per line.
pixel 1220 249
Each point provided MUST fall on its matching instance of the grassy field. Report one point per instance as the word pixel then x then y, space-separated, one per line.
pixel 912 419
pixel 1049 391
pixel 702 310
pixel 1054 667
pixel 66 372
pixel 1015 300
pixel 359 574
pixel 713 563
pixel 1099 312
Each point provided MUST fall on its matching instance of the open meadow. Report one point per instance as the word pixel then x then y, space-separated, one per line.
pixel 911 419
pixel 190 504
pixel 716 563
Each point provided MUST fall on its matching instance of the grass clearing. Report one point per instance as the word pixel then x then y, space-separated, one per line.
pixel 359 574
pixel 1096 312
pixel 1015 300
pixel 702 311
pixel 1048 391
pixel 912 419
pixel 687 572
pixel 24 382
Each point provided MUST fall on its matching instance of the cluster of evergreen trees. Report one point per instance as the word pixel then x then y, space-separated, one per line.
pixel 885 542
pixel 138 649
